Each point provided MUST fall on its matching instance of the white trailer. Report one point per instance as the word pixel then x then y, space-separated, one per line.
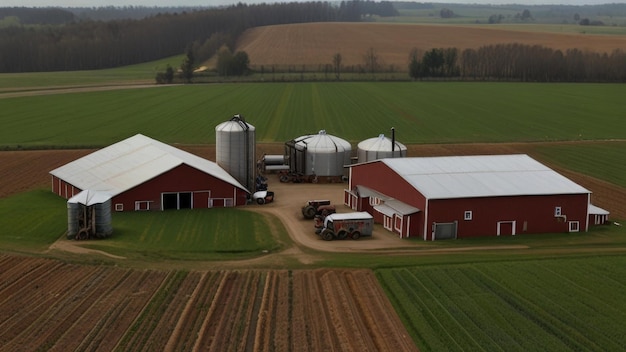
pixel 344 225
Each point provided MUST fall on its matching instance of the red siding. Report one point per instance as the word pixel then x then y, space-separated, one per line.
pixel 381 178
pixel 183 178
pixel 531 214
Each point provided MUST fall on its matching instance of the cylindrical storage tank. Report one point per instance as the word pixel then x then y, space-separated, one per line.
pixel 104 225
pixel 235 150
pixel 379 148
pixel 73 216
pixel 324 154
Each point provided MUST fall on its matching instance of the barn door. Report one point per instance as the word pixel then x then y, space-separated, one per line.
pixel 444 230
pixel 506 228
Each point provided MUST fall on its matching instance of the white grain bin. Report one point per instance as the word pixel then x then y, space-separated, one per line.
pixel 235 149
pixel 378 148
pixel 89 215
pixel 319 154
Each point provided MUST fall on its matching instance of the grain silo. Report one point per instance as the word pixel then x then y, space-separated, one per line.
pixel 379 148
pixel 89 215
pixel 235 150
pixel 318 154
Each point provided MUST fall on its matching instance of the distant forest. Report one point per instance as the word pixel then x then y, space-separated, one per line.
pixel 68 39
pixel 54 39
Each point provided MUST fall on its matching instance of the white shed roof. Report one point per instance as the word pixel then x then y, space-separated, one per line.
pixel 481 176
pixel 131 162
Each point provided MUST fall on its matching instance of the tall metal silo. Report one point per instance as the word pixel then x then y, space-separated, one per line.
pixel 319 154
pixel 378 148
pixel 235 150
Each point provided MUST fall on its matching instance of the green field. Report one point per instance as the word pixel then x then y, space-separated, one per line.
pixel 551 292
pixel 421 112
pixel 32 221
pixel 535 305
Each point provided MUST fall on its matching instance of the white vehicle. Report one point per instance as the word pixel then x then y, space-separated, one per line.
pixel 262 197
pixel 344 225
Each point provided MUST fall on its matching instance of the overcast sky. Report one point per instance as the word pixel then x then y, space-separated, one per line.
pixel 98 3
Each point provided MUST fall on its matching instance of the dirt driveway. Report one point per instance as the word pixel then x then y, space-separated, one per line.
pixel 289 199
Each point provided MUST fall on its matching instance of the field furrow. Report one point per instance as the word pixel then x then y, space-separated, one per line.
pixel 40 296
pixel 99 308
pixel 378 313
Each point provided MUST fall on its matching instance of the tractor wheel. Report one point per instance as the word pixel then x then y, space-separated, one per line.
pixel 327 236
pixel 309 212
pixel 260 201
pixel 356 235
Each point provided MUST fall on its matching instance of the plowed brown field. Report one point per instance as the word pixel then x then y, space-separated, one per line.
pixel 314 44
pixel 54 306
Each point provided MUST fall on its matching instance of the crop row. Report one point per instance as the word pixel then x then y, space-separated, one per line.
pixel 420 112
pixel 56 306
pixel 568 304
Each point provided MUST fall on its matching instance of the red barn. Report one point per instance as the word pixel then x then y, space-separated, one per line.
pixel 141 173
pixel 469 196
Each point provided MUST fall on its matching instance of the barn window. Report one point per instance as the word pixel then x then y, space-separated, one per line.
pixel 119 207
pixel 398 223
pixel 574 226
pixel 142 205
pixel 467 215
pixel 375 201
pixel 557 211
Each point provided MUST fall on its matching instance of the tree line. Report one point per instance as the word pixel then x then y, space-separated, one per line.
pixel 518 62
pixel 88 44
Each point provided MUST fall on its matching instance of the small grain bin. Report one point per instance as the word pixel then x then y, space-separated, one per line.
pixel 235 149
pixel 89 215
pixel 379 148
pixel 318 154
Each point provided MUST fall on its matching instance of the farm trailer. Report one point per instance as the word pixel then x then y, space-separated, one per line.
pixel 344 225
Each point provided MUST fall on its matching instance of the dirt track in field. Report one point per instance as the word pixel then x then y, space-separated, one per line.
pixel 54 306
pixel 315 44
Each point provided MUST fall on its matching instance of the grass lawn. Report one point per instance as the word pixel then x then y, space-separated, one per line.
pixel 32 221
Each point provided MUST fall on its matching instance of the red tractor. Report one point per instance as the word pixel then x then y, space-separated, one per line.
pixel 321 207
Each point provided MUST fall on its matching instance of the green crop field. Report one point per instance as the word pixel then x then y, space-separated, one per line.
pixel 535 305
pixel 421 112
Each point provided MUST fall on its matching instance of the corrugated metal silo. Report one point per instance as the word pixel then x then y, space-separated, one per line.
pixel 235 149
pixel 319 154
pixel 89 215
pixel 378 148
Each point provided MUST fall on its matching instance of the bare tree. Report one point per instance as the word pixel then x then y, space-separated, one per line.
pixel 337 65
pixel 371 59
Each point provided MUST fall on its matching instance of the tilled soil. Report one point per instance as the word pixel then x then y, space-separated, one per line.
pixel 54 306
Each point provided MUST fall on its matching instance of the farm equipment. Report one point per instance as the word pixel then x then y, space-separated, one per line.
pixel 261 183
pixel 347 225
pixel 317 207
pixel 296 177
pixel 263 197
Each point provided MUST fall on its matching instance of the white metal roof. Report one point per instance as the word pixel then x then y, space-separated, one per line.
pixel 592 209
pixel 380 143
pixel 481 176
pixel 131 162
pixel 323 143
pixel 88 198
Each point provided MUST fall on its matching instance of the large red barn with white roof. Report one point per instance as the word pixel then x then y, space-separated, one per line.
pixel 469 196
pixel 141 173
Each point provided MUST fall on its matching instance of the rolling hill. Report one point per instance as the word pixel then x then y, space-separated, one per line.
pixel 313 45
